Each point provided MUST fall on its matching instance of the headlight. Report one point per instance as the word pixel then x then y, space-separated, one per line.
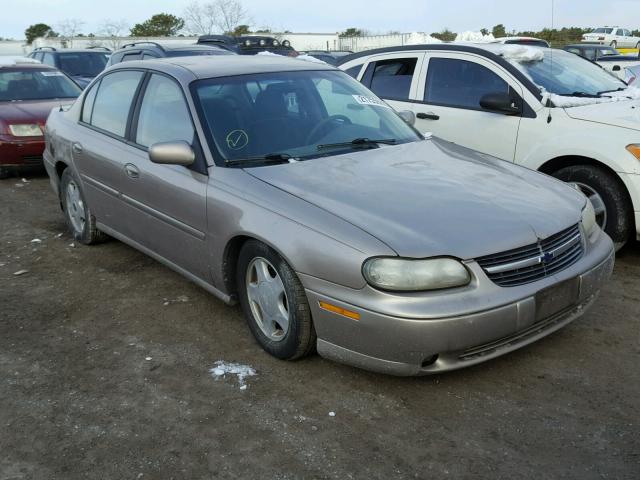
pixel 247 43
pixel 276 43
pixel 25 130
pixel 589 218
pixel 402 274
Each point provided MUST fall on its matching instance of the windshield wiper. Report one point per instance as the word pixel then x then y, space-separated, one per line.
pixel 619 89
pixel 270 158
pixel 360 142
pixel 580 94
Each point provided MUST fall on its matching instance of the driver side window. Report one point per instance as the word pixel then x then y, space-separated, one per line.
pixel 164 114
pixel 460 83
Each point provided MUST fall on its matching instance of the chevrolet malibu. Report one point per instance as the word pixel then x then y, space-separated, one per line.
pixel 290 188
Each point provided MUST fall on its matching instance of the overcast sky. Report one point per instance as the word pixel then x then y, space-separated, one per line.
pixel 336 15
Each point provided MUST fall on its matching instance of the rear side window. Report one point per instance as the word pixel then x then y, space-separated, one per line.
pixel 392 78
pixel 113 101
pixel 459 83
pixel 87 107
pixel 164 115
pixel 353 71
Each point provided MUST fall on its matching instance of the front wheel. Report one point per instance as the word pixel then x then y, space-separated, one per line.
pixel 76 211
pixel 608 197
pixel 274 303
pixel 614 44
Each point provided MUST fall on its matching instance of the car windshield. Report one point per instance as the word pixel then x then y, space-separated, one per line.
pixel 32 84
pixel 609 51
pixel 564 73
pixel 603 30
pixel 300 114
pixel 83 64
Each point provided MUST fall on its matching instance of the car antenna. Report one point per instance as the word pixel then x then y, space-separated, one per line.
pixel 551 58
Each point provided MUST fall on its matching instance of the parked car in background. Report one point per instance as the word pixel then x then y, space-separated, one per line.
pixel 328 56
pixel 615 37
pixel 540 108
pixel 249 44
pixel 608 58
pixel 28 92
pixel 149 50
pixel 531 41
pixel 291 188
pixel 82 65
pixel 593 52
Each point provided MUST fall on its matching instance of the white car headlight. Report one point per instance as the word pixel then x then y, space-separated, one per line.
pixel 402 274
pixel 25 130
pixel 589 218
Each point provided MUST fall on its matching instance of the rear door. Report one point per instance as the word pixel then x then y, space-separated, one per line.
pixel 394 77
pixel 100 152
pixel 450 89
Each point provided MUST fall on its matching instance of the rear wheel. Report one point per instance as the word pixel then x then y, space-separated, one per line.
pixel 608 197
pixel 274 303
pixel 614 44
pixel 79 218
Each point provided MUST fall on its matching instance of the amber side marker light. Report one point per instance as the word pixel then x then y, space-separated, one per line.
pixel 340 311
pixel 634 150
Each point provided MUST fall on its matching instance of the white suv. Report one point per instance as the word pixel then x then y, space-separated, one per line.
pixel 615 36
pixel 539 108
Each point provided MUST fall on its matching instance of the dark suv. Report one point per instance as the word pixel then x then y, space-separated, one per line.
pixel 249 44
pixel 147 50
pixel 82 65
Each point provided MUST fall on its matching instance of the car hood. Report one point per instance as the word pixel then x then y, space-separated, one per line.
pixel 625 114
pixel 433 198
pixel 29 111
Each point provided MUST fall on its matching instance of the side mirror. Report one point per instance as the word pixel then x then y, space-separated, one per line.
pixel 616 68
pixel 500 103
pixel 408 116
pixel 172 153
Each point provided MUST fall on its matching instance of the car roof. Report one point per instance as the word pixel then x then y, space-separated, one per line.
pixel 102 50
pixel 29 66
pixel 226 65
pixel 492 51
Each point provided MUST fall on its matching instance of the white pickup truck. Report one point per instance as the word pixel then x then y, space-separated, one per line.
pixel 614 36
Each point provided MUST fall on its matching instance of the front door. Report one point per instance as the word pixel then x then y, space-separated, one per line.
pixel 449 93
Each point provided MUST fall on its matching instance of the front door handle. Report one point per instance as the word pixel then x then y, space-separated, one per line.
pixel 428 116
pixel 131 170
pixel 76 148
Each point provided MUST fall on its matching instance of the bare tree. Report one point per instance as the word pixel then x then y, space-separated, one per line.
pixel 231 14
pixel 114 30
pixel 200 19
pixel 68 29
pixel 222 16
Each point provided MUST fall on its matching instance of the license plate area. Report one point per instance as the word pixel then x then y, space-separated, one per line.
pixel 556 298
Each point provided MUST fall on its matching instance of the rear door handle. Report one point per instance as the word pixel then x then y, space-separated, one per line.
pixel 76 148
pixel 428 116
pixel 131 170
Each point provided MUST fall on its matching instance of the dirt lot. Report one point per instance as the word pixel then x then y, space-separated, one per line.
pixel 104 373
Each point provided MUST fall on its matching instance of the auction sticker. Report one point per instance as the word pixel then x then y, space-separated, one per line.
pixel 374 102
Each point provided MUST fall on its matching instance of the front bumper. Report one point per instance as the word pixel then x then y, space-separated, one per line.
pixel 25 152
pixel 402 345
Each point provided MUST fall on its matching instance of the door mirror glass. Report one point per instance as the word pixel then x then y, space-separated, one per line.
pixel 500 103
pixel 172 153
pixel 408 116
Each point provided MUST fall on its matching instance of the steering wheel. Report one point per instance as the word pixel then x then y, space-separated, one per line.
pixel 344 120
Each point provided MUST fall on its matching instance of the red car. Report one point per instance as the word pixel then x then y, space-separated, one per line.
pixel 28 92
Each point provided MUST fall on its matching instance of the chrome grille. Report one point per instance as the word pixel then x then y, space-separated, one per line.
pixel 533 262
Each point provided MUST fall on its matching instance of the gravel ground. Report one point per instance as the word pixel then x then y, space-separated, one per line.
pixel 104 373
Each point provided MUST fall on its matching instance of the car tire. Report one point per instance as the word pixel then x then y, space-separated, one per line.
pixel 613 198
pixel 269 290
pixel 77 213
pixel 614 44
pixel 4 173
